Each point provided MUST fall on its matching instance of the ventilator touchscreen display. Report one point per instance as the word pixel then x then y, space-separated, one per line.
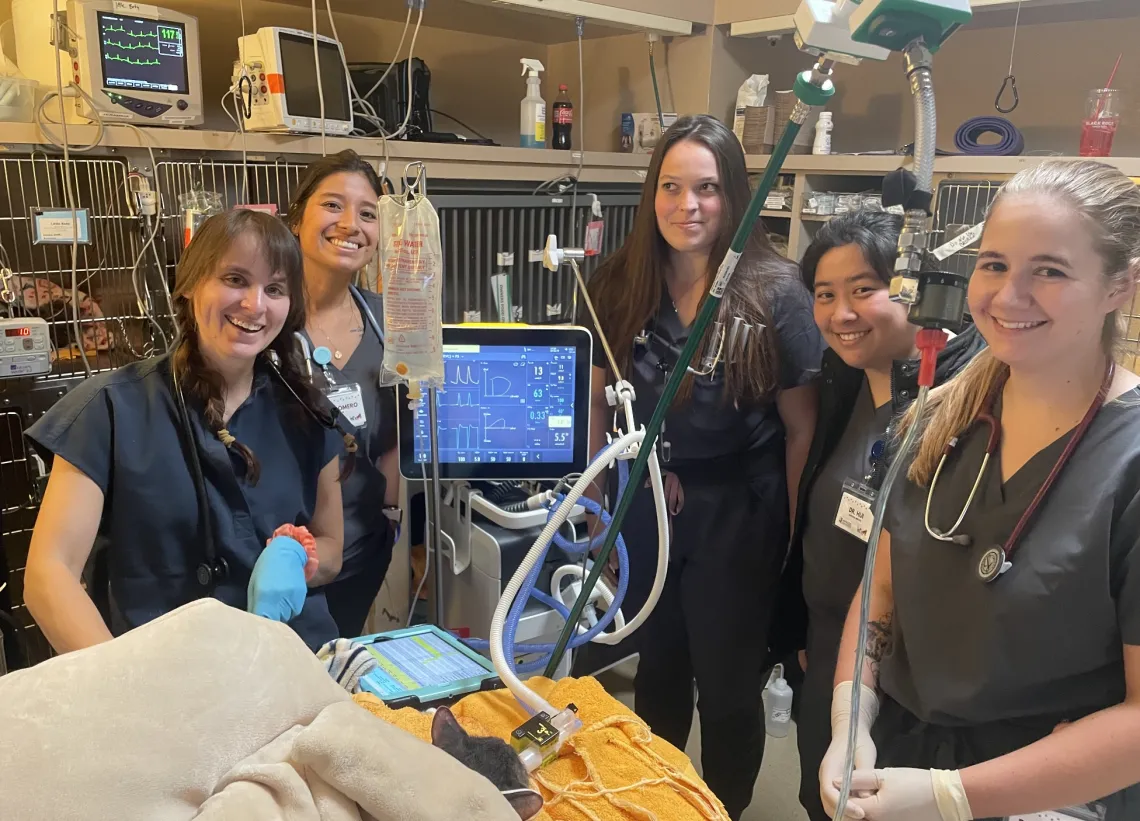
pixel 143 55
pixel 418 662
pixel 503 404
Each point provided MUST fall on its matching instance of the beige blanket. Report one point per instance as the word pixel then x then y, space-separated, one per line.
pixel 211 713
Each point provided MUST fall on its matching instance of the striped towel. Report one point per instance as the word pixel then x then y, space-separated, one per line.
pixel 347 662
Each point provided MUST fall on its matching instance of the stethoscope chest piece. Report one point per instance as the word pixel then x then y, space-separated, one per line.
pixel 993 564
pixel 210 575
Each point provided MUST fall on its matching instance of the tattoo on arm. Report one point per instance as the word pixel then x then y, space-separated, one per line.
pixel 880 641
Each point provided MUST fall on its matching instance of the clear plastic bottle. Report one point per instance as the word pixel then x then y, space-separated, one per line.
pixel 823 127
pixel 778 704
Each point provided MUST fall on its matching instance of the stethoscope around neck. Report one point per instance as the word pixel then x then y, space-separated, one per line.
pixel 725 346
pixel 214 569
pixel 994 560
pixel 310 354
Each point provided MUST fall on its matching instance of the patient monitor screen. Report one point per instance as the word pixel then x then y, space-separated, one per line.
pixel 515 404
pixel 143 55
pixel 297 66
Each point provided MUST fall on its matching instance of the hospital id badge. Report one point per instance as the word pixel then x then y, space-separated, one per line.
pixel 855 514
pixel 350 401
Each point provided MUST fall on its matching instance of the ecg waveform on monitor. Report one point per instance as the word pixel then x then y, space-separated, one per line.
pixel 129 33
pixel 130 46
pixel 130 61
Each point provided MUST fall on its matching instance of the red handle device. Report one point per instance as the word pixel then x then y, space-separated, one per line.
pixel 930 342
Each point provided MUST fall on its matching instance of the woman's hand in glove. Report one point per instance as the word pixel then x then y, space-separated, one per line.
pixel 277 587
pixel 898 794
pixel 831 769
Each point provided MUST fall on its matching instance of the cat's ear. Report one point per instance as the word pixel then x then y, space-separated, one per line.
pixel 527 803
pixel 445 730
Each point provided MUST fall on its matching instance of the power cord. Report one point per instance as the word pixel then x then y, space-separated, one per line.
pixel 460 123
pixel 69 193
pixel 580 25
pixel 320 85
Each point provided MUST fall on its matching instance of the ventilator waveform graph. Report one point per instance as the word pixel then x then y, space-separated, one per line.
pixel 503 404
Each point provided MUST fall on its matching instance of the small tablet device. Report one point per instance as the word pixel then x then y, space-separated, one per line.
pixel 515 405
pixel 424 666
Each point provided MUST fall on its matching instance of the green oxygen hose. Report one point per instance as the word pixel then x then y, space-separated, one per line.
pixel 812 88
pixel 656 91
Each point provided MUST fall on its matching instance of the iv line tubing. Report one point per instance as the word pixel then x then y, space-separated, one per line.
pixel 700 324
pixel 656 92
pixel 865 601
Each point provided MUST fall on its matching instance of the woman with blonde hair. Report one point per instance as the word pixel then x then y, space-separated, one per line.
pixel 1004 628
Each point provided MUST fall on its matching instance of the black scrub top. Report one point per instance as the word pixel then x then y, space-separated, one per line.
pixel 833 558
pixel 366 528
pixel 1043 642
pixel 121 429
pixel 709 428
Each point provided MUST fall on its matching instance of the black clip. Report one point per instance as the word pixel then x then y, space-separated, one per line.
pixel 1011 82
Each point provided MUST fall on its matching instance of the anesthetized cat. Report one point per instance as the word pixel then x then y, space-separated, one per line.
pixel 492 758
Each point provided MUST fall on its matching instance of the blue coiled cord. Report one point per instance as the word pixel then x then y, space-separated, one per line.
pixel 528 589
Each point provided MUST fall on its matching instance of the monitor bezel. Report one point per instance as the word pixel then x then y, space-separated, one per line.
pixel 563 335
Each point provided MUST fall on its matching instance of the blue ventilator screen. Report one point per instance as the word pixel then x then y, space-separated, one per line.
pixel 503 404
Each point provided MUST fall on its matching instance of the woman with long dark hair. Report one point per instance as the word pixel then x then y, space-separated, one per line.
pixel 334 216
pixel 262 447
pixel 733 443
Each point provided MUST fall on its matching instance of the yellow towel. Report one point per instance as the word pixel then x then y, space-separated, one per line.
pixel 611 770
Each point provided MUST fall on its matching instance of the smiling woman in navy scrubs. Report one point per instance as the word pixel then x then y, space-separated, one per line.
pixel 266 441
pixel 334 215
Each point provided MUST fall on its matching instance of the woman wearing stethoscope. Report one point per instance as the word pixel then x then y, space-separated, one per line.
pixel 334 216
pixel 1004 625
pixel 733 442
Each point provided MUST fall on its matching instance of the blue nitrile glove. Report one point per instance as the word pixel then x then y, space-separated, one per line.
pixel 277 587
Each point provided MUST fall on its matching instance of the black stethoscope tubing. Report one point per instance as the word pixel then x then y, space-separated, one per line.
pixel 215 568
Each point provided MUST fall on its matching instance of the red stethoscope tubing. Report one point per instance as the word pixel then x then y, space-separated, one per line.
pixel 992 444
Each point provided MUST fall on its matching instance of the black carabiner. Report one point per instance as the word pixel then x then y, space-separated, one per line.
pixel 1011 82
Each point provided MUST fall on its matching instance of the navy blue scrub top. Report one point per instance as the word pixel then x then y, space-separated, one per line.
pixel 709 427
pixel 121 429
pixel 366 528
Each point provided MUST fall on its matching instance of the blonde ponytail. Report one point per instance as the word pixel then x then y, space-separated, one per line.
pixel 1109 204
pixel 950 409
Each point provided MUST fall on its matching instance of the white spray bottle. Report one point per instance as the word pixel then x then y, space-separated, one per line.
pixel 778 700
pixel 532 124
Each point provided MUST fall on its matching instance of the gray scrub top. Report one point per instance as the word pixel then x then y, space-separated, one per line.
pixel 121 429
pixel 366 529
pixel 1043 641
pixel 833 558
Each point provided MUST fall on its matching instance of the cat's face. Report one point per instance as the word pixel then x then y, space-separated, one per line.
pixel 492 758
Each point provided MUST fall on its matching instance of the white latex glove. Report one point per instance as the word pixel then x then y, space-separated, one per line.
pixel 897 794
pixel 831 768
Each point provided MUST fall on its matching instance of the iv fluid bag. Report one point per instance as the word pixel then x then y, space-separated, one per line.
pixel 411 267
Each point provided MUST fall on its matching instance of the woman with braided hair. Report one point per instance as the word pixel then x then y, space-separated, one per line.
pixel 212 471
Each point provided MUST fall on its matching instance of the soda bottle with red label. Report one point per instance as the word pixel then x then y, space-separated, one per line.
pixel 563 120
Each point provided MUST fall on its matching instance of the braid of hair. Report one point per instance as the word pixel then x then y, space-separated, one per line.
pixel 205 385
